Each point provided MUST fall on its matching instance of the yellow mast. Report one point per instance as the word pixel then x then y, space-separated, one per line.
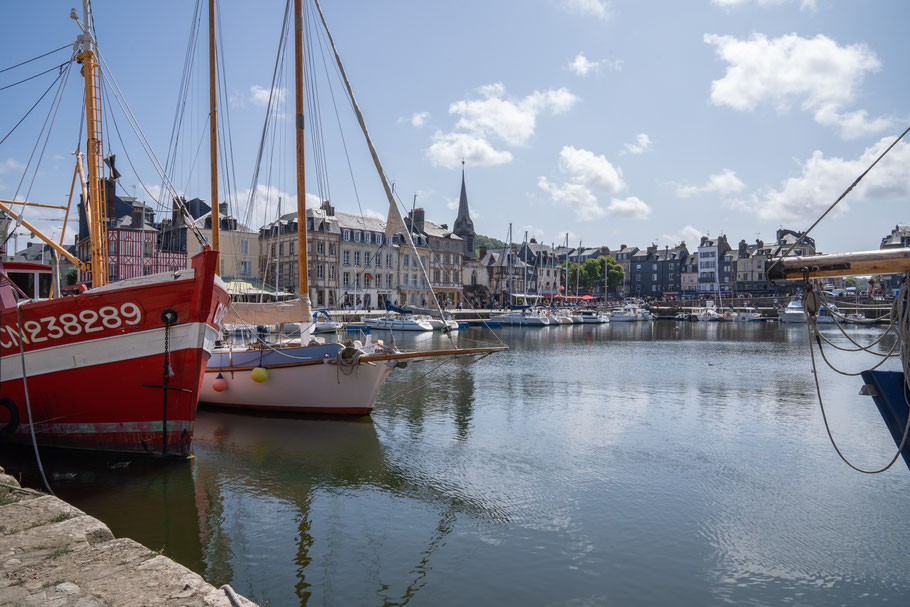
pixel 96 205
pixel 213 139
pixel 303 278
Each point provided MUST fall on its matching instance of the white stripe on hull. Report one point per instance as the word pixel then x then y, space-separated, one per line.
pixel 128 346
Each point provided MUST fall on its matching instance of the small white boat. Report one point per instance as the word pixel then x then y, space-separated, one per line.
pixel 747 314
pixel 522 318
pixel 856 319
pixel 794 312
pixel 399 323
pixel 438 323
pixel 628 313
pixel 593 317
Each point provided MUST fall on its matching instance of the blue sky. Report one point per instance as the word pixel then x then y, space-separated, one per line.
pixel 617 122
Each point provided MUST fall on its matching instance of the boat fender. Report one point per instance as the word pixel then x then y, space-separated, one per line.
pixel 13 422
pixel 220 384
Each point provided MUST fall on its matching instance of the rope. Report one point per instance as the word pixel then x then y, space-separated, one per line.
pixel 56 67
pixel 6 69
pixel 902 328
pixel 28 403
pixel 60 75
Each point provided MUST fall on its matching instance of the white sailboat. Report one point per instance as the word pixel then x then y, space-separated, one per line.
pixel 307 376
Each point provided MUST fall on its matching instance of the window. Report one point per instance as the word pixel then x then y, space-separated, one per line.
pixel 435 257
pixel 320 248
pixel 654 277
pixel 346 280
pixel 388 281
pixel 388 261
pixel 638 266
pixel 332 249
pixel 320 271
pixel 407 260
pixel 356 258
pixel 366 258
pixel 356 235
pixel 244 268
pixel 436 276
pixel 378 238
pixel 346 256
pixel 366 236
pixel 357 281
pixel 331 272
pixel 448 259
pixel 366 282
pixel 148 248
pixel 346 234
pixel 653 266
pixel 445 277
pixel 378 259
pixel 111 247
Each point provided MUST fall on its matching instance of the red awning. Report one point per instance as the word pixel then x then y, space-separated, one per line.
pixel 586 297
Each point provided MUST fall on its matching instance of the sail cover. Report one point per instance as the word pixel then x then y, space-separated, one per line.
pixel 269 313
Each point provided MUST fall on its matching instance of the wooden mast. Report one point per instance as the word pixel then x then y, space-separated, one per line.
pixel 881 261
pixel 213 137
pixel 96 200
pixel 303 280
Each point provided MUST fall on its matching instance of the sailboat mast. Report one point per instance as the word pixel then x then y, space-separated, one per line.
pixel 213 137
pixel 566 287
pixel 303 279
pixel 96 199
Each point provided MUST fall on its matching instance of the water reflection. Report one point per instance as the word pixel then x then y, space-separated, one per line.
pixel 566 470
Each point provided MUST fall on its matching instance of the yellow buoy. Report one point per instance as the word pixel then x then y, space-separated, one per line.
pixel 259 374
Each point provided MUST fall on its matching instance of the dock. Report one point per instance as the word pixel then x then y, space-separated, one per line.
pixel 53 554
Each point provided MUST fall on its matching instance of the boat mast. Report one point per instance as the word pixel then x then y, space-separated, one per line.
pixel 577 271
pixel 213 138
pixel 95 206
pixel 303 279
pixel 566 287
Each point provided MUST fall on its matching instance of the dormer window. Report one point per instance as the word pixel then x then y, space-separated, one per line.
pixel 356 235
pixel 346 234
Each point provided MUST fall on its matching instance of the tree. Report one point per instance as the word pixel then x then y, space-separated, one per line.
pixel 485 241
pixel 71 276
pixel 852 281
pixel 592 272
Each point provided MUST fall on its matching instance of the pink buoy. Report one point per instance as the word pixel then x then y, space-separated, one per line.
pixel 220 384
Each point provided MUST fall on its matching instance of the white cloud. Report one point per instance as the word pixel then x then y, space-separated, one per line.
pixel 589 169
pixel 418 119
pixel 259 96
pixel 536 233
pixel 822 76
pixel 510 120
pixel 449 149
pixel 582 66
pixel 689 234
pixel 803 4
pixel 562 237
pixel 10 164
pixel 588 8
pixel 804 198
pixel 493 117
pixel 586 172
pixel 630 208
pixel 642 144
pixel 574 196
pixel 724 183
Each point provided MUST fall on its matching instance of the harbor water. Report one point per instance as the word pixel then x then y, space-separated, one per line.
pixel 629 464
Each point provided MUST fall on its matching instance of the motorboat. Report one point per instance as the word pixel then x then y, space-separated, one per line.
pixel 522 318
pixel 794 312
pixel 746 314
pixel 628 313
pixel 593 317
pixel 405 322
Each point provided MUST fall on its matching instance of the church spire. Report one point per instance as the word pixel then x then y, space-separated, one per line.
pixel 464 227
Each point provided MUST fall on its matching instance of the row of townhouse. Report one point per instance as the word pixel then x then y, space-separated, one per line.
pixel 712 267
pixel 351 260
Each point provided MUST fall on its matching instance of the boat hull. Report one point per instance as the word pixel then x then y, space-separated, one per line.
pixel 300 380
pixel 94 364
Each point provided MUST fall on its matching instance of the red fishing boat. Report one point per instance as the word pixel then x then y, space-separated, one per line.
pixel 116 367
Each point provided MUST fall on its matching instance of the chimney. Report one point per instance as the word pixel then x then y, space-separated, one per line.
pixel 483 251
pixel 652 249
pixel 444 226
pixel 418 219
pixel 327 208
pixel 760 243
pixel 704 239
pixel 742 247
pixel 223 209
pixel 621 247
